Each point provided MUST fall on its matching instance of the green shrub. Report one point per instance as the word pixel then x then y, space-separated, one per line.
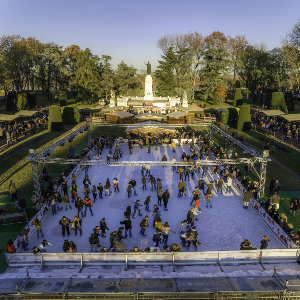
pixel 62 97
pixel 228 115
pixel 71 115
pixel 31 95
pixel 55 122
pixel 278 102
pixel 268 99
pixel 244 119
pixel 289 100
pixel 237 96
pixel 10 105
pixel 215 99
pixel 22 102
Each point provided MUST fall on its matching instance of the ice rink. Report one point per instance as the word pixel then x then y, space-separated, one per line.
pixel 222 227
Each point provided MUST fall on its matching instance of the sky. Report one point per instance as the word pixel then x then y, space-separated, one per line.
pixel 128 30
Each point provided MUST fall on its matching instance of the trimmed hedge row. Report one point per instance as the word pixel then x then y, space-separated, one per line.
pixel 244 119
pixel 228 115
pixel 278 102
pixel 55 122
pixel 22 102
pixel 62 97
pixel 70 115
pixel 238 97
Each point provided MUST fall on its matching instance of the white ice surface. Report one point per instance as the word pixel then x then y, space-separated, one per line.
pixel 222 227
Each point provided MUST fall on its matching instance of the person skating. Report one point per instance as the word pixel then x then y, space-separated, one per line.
pixel 159 196
pixel 103 227
pixel 128 226
pixel 107 187
pixel 94 193
pixel 229 184
pixel 53 205
pixel 166 197
pixel 173 146
pixel 116 185
pixel 157 223
pixel 88 203
pixel 130 148
pixel 144 181
pixel 192 237
pixel 43 246
pixel 93 243
pixel 38 226
pixel 120 247
pixel 159 183
pixel 127 212
pixel 143 170
pixel 108 159
pixel 66 246
pixel 65 222
pixel 208 196
pixel 86 182
pixel 153 212
pixel 293 206
pixel 201 185
pixel 133 184
pixel 76 224
pixel 129 190
pixel 115 156
pixel 165 229
pixel 66 200
pixel 195 211
pixel 157 237
pixel 196 195
pixel 153 182
pixel 247 197
pixel 112 238
pixel 147 202
pixel 246 245
pixel 96 232
pixel 187 173
pixel 144 224
pixel 74 191
pixel 148 170
pixel 136 208
pixel 264 242
pixel 220 185
pixel 190 218
pixel 149 148
pixel 210 187
pixel 59 201
pixel 79 206
pixel 181 188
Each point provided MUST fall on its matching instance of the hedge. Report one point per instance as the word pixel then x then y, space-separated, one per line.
pixel 70 115
pixel 228 115
pixel 22 102
pixel 31 95
pixel 10 105
pixel 55 122
pixel 62 97
pixel 268 99
pixel 278 102
pixel 244 119
pixel 237 97
pixel 289 100
pixel 215 99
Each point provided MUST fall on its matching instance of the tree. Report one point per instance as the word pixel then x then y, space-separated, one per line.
pixel 125 78
pixel 237 96
pixel 244 119
pixel 106 75
pixel 221 94
pixel 165 74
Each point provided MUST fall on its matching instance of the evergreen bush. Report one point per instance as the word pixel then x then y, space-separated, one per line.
pixel 10 105
pixel 215 99
pixel 31 96
pixel 244 119
pixel 238 96
pixel 268 98
pixel 228 115
pixel 55 122
pixel 62 97
pixel 278 102
pixel 22 102
pixel 289 100
pixel 70 115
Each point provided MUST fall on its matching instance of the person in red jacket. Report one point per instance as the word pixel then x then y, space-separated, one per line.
pixel 88 203
pixel 10 247
pixel 144 225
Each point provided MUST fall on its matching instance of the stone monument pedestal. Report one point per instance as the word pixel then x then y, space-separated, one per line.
pixel 148 88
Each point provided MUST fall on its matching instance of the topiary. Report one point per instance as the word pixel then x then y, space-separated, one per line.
pixel 22 102
pixel 278 102
pixel 268 98
pixel 70 115
pixel 62 97
pixel 10 103
pixel 228 115
pixel 31 95
pixel 244 118
pixel 55 122
pixel 237 97
pixel 289 100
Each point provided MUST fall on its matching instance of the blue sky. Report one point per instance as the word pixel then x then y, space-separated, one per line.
pixel 128 30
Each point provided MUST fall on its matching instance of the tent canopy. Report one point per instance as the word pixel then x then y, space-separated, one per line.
pixel 8 118
pixel 123 114
pixel 292 117
pixel 149 115
pixel 177 114
pixel 26 113
pixel 273 113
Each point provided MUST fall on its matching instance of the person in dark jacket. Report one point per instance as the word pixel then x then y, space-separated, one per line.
pixel 22 204
pixel 100 190
pixel 103 227
pixel 65 222
pixel 166 197
pixel 133 184
pixel 210 187
pixel 192 237
pixel 190 218
pixel 247 198
pixel 128 226
pixel 201 185
pixel 93 243
pixel 147 202
pixel 144 225
pixel 77 224
pixel 79 206
pixel 157 237
pixel 294 206
pixel 264 242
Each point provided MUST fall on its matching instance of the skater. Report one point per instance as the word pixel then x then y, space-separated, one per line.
pixel 210 187
pixel 183 226
pixel 180 171
pixel 93 243
pixel 144 225
pixel 173 146
pixel 88 203
pixel 159 196
pixel 201 185
pixel 198 165
pixel 107 187
pixel 112 238
pixel 187 173
pixel 157 237
pixel 94 192
pixel 43 246
pixel 153 212
pixel 157 223
pixel 79 206
pixel 130 147
pixel 103 227
pixel 128 226
pixel 53 205
pixel 293 206
pixel 86 182
pixel 192 236
pixel 65 222
pixel 74 191
pixel 143 170
pixel 190 218
pixel 153 182
pixel 76 225
pixel 59 201
pixel 148 169
pixel 229 184
pixel 144 181
pixel 264 242
pixel 136 208
pixel 173 160
pixel 129 190
pixel 119 247
pixel 115 156
pixel 196 195
pixel 66 200
pixel 108 159
pixel 157 215
pixel 159 183
pixel 38 226
pixel 208 196
pixel 146 203
pixel 181 189
pixel 165 232
pixel 220 185
pixel 133 184
pixel 116 185
pixel 149 148
pixel 247 197
pixel 166 197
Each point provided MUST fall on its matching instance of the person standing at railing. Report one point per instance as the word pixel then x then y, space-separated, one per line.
pixel 38 226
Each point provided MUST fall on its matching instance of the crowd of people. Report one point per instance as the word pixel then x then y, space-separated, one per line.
pixel 222 176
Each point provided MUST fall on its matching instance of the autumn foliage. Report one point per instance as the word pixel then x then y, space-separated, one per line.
pixel 221 93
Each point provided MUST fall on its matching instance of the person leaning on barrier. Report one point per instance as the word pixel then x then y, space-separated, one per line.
pixel 264 242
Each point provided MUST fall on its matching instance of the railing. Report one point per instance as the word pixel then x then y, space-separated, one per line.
pixel 169 259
